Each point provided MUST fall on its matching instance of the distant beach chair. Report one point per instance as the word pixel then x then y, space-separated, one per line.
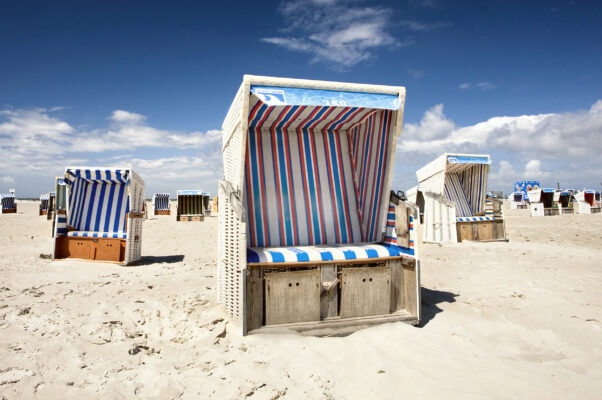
pixel 102 219
pixel 587 201
pixel 214 206
pixel 542 202
pixel 192 205
pixel 8 205
pixel 456 204
pixel 44 204
pixel 308 234
pixel 161 204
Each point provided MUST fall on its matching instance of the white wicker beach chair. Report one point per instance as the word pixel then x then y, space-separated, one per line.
pixel 8 205
pixel 467 214
pixel 161 204
pixel 99 215
pixel 305 240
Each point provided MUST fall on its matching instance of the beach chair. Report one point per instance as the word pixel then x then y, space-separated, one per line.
pixel 460 179
pixel 44 203
pixel 161 204
pixel 517 201
pixel 192 205
pixel 562 201
pixel 8 205
pixel 542 202
pixel 99 215
pixel 307 228
pixel 586 202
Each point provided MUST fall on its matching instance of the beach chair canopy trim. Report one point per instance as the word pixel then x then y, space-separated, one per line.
pixel 45 197
pixel 98 201
pixel 161 201
pixel 8 201
pixel 315 166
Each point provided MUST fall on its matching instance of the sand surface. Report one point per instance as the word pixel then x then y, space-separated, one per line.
pixel 500 320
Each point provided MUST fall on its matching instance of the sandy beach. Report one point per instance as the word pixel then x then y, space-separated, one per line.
pixel 500 320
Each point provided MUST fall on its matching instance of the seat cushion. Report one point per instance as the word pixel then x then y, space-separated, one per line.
pixel 473 219
pixel 342 252
pixel 117 235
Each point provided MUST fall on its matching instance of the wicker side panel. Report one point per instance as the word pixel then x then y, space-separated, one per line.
pixel 232 259
pixel 234 116
pixel 133 249
pixel 234 159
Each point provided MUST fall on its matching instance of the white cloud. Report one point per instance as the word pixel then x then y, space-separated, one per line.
pixel 126 117
pixel 36 145
pixel 416 26
pixel 559 146
pixel 340 33
pixel 483 85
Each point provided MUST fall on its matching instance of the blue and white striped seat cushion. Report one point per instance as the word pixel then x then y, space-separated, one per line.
pixel 473 219
pixel 116 235
pixel 359 251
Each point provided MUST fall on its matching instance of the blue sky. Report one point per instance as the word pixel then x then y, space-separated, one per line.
pixel 149 83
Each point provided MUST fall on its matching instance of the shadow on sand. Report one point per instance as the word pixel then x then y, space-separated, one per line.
pixel 147 260
pixel 430 299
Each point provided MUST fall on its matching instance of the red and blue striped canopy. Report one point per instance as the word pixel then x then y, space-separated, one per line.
pixel 315 174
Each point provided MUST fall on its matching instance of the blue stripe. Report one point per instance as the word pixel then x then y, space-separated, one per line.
pixel 371 253
pixel 90 207
pixel 349 254
pixel 252 257
pixel 276 256
pixel 103 189
pixel 301 255
pixel 117 214
pixel 326 256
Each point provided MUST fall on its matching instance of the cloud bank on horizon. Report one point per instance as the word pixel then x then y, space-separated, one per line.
pixel 36 145
pixel 555 147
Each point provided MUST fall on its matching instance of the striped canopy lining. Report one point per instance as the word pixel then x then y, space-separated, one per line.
pixel 465 185
pixel 8 201
pixel 190 204
pixel 161 201
pixel 315 175
pixel 98 201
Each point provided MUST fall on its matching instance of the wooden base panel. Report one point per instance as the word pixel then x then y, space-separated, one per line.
pixel 190 218
pixel 481 230
pixel 337 326
pixel 9 211
pixel 97 249
pixel 43 212
pixel 333 296
pixel 162 212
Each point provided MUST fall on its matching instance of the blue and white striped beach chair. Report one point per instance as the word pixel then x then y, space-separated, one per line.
pixel 8 205
pixel 103 215
pixel 161 204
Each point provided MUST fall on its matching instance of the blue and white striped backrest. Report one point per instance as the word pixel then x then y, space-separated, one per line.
pixel 8 201
pixel 98 200
pixel 455 192
pixel 161 201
